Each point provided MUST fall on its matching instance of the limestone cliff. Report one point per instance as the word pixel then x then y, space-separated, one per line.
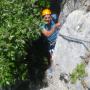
pixel 71 65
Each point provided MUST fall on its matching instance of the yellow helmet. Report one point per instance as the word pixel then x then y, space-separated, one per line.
pixel 46 11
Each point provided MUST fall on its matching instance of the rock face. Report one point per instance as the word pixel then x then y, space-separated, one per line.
pixel 73 43
pixel 72 48
pixel 71 5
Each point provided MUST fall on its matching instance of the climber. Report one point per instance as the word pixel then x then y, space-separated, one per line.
pixel 49 28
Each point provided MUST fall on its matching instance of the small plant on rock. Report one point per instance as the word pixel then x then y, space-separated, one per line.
pixel 78 73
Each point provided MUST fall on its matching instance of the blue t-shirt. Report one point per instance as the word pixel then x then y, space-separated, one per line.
pixel 51 38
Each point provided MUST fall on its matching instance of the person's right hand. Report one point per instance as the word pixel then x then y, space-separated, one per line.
pixel 57 25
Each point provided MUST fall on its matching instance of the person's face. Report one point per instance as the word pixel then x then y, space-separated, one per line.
pixel 47 19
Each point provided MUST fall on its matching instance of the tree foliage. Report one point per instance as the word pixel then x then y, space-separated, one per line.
pixel 19 21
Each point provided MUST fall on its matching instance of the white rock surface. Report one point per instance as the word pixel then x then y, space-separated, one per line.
pixel 67 53
pixel 72 43
pixel 71 5
pixel 70 49
pixel 77 26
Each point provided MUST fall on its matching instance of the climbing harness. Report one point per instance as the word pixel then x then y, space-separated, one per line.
pixel 71 39
pixel 52 45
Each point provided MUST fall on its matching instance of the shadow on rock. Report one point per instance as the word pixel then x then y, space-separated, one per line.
pixel 38 61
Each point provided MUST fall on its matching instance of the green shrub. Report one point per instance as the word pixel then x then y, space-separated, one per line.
pixel 78 73
pixel 19 21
